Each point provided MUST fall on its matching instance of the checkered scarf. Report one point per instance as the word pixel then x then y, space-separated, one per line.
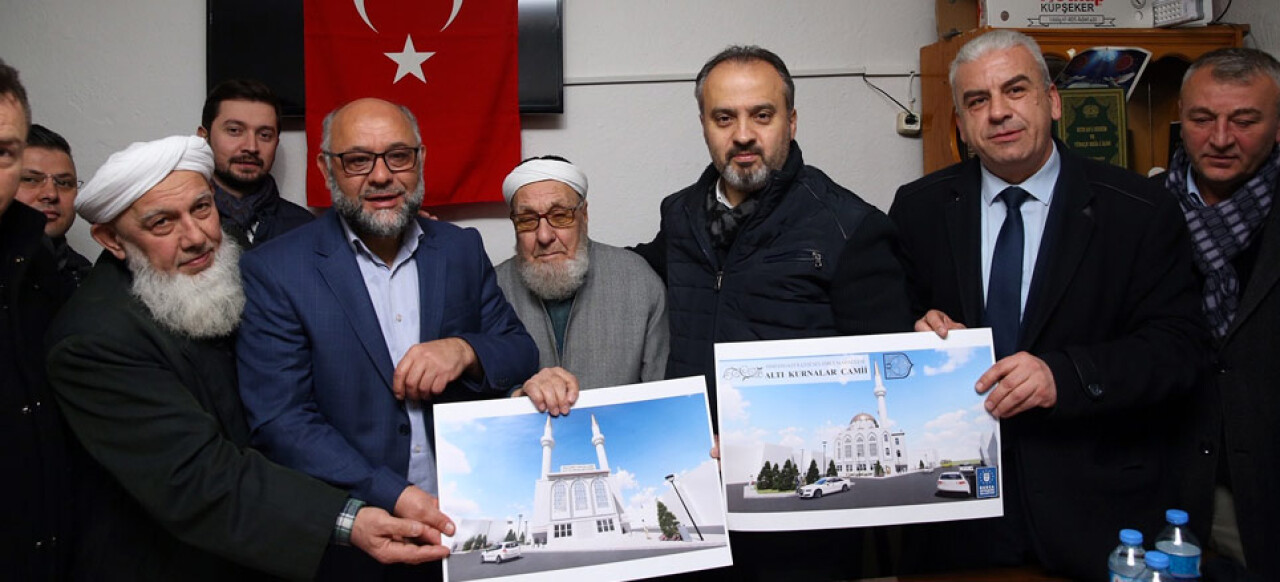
pixel 723 222
pixel 1221 231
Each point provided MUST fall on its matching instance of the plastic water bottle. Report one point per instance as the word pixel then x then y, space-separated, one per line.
pixel 1157 568
pixel 1126 560
pixel 1182 547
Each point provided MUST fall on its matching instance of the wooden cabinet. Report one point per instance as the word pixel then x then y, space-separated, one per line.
pixel 1152 106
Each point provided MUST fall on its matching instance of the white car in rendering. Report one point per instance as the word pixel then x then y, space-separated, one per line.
pixel 824 486
pixel 953 483
pixel 500 552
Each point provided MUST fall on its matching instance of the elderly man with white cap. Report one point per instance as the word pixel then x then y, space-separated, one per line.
pixel 598 313
pixel 141 361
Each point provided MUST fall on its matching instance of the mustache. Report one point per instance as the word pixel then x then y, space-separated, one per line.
pixel 247 159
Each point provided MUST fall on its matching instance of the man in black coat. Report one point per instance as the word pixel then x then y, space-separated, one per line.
pixel 1226 177
pixel 142 363
pixel 35 533
pixel 764 247
pixel 1091 297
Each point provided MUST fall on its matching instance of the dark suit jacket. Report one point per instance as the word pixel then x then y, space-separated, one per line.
pixel 1114 312
pixel 1236 418
pixel 35 535
pixel 315 373
pixel 175 492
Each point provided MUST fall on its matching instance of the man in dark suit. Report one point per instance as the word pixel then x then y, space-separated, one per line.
pixel 34 536
pixel 141 362
pixel 357 322
pixel 1226 177
pixel 1087 285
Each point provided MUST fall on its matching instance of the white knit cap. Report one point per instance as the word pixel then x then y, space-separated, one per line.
pixel 541 169
pixel 130 173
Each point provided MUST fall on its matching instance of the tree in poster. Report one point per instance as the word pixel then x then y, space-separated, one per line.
pixel 510 537
pixel 812 474
pixel 766 477
pixel 831 468
pixel 879 469
pixel 667 521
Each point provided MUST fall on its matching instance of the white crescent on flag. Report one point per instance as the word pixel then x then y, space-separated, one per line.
pixel 364 15
pixel 457 6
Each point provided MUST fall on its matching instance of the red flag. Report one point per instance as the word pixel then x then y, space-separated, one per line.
pixel 452 62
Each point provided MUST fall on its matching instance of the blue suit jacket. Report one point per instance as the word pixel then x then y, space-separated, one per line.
pixel 315 373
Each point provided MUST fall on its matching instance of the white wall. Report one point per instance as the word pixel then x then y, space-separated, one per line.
pixel 105 74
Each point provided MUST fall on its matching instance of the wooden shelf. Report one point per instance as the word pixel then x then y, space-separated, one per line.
pixel 1152 106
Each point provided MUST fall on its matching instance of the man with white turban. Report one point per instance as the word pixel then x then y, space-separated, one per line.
pixel 141 360
pixel 598 313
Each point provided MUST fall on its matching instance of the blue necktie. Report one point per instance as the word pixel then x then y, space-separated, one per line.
pixel 1004 290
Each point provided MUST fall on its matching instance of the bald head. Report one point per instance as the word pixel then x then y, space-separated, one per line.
pixel 362 112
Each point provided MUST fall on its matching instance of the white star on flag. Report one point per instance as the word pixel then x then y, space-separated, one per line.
pixel 409 61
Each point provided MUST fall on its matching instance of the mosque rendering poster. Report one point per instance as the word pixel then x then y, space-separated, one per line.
pixel 623 487
pixel 857 431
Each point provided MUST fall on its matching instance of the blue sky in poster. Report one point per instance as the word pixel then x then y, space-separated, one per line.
pixel 489 465
pixel 935 405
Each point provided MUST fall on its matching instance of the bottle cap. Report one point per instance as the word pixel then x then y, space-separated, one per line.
pixel 1157 560
pixel 1176 516
pixel 1131 537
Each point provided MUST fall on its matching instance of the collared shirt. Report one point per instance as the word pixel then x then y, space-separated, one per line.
pixel 1035 213
pixel 393 289
pixel 720 195
pixel 1192 188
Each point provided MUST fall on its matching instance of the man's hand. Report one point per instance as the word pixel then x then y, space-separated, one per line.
pixel 715 447
pixel 937 322
pixel 423 507
pixel 427 368
pixel 391 539
pixel 1021 382
pixel 552 390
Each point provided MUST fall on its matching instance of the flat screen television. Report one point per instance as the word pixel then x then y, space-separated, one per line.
pixel 262 39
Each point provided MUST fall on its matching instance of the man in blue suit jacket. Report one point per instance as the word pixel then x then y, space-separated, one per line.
pixel 356 323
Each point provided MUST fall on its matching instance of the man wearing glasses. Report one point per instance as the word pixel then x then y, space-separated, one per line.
pixel 598 313
pixel 356 323
pixel 49 184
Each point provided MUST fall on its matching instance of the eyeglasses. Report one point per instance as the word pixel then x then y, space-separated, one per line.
pixel 557 217
pixel 398 159
pixel 64 184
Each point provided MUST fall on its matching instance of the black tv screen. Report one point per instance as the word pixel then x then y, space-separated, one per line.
pixel 262 39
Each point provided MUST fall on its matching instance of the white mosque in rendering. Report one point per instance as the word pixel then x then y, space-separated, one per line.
pixel 868 440
pixel 578 503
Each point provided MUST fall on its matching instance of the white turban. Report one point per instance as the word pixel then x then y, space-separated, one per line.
pixel 130 173
pixel 541 169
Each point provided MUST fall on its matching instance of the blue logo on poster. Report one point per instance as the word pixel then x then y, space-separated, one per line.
pixel 988 485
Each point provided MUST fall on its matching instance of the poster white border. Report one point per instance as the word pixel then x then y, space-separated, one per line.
pixel 842 347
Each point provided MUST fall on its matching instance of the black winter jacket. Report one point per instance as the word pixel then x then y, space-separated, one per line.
pixel 813 260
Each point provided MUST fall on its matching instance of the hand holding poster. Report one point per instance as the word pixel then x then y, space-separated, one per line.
pixel 857 431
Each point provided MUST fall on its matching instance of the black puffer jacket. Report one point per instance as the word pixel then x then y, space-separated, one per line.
pixel 813 260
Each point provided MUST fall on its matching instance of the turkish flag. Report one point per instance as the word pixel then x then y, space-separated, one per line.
pixel 452 62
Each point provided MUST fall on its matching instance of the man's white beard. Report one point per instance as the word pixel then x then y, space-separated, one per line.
pixel 559 280
pixel 205 305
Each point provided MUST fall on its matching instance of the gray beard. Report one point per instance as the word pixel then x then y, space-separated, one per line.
pixel 205 305
pixel 380 223
pixel 556 281
pixel 747 181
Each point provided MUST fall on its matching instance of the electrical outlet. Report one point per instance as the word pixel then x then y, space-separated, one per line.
pixel 908 123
